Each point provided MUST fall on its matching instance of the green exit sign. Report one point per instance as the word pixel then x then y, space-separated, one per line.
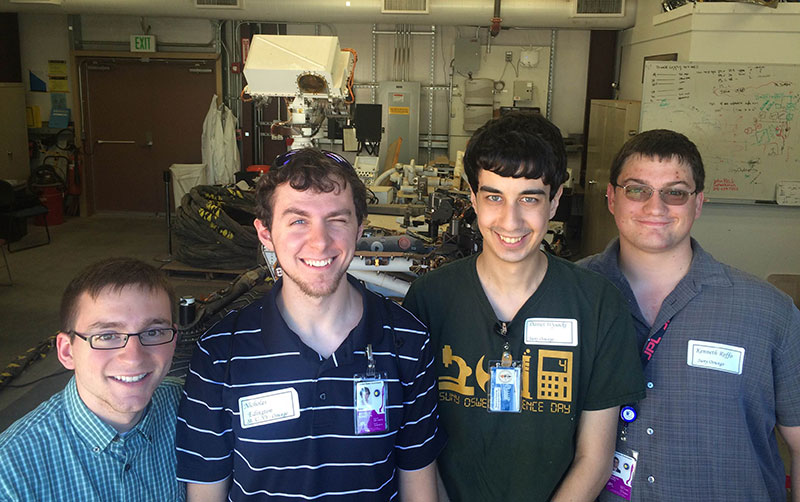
pixel 143 43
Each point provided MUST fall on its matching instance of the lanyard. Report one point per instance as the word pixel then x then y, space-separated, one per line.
pixel 501 329
pixel 628 412
pixel 652 344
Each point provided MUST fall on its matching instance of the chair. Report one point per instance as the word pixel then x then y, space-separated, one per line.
pixel 15 209
pixel 5 260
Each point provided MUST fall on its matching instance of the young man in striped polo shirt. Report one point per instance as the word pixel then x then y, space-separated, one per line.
pixel 110 434
pixel 322 389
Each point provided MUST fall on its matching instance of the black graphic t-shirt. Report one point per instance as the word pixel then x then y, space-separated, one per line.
pixel 577 349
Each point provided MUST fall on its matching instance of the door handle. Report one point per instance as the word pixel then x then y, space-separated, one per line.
pixel 114 142
pixel 592 182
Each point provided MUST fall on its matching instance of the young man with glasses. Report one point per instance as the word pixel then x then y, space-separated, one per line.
pixel 534 355
pixel 275 403
pixel 720 348
pixel 110 434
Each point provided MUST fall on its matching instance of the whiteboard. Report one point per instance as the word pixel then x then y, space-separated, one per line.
pixel 744 119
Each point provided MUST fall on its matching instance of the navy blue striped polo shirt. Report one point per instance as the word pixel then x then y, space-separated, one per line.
pixel 315 452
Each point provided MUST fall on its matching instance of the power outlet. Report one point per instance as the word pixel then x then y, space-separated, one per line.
pixel 509 56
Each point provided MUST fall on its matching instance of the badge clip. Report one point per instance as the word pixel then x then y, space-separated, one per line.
pixel 370 362
pixel 370 399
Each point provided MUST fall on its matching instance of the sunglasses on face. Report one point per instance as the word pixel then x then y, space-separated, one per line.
pixel 670 196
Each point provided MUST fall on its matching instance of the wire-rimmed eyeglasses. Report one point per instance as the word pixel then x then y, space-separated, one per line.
pixel 109 341
pixel 670 196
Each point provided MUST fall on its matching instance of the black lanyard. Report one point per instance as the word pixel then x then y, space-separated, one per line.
pixel 652 344
pixel 628 412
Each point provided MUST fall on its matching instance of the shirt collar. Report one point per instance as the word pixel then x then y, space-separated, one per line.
pixel 91 429
pixel 704 269
pixel 368 329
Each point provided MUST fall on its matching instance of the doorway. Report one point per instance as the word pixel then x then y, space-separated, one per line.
pixel 141 116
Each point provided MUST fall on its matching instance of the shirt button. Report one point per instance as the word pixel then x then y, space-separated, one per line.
pixel 127 467
pixel 651 479
pixel 650 431
pixel 650 385
pixel 323 396
pixel 96 449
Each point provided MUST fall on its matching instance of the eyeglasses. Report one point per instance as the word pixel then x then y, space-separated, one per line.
pixel 109 341
pixel 670 196
pixel 284 158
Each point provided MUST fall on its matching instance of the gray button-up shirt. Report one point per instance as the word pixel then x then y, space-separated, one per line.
pixel 725 372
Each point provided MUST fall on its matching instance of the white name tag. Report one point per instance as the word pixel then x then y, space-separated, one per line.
pixel 715 356
pixel 551 331
pixel 269 407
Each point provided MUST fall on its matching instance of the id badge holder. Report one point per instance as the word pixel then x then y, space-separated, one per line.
pixel 505 383
pixel 624 464
pixel 369 395
pixel 622 472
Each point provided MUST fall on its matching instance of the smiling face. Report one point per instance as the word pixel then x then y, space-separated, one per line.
pixel 116 385
pixel 653 226
pixel 314 236
pixel 512 215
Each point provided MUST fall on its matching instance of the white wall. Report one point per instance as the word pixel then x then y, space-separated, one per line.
pixel 760 239
pixel 570 65
pixel 42 37
pixel 166 30
pixel 45 37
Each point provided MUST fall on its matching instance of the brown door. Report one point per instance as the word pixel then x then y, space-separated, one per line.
pixel 141 117
pixel 611 123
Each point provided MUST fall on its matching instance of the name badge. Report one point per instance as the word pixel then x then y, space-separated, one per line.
pixel 269 407
pixel 551 331
pixel 505 383
pixel 622 471
pixel 715 356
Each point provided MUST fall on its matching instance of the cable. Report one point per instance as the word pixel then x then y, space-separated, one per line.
pixel 15 368
pixel 352 76
pixel 23 385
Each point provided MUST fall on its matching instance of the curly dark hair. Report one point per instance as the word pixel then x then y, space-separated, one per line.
pixel 518 145
pixel 306 169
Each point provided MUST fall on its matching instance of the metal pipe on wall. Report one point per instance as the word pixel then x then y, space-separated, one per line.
pixel 528 13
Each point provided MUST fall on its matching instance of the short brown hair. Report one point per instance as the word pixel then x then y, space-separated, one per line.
pixel 306 169
pixel 114 274
pixel 663 145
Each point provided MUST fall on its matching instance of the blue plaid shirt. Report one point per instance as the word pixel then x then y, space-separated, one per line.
pixel 63 451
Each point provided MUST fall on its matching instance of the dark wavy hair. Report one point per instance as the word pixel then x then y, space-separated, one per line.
pixel 309 169
pixel 518 145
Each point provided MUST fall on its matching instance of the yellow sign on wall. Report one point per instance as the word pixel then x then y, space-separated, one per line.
pixel 399 110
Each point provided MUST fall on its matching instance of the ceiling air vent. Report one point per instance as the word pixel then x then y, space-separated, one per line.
pixel 600 8
pixel 405 7
pixel 218 4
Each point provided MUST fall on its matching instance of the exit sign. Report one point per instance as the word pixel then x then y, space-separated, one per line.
pixel 143 43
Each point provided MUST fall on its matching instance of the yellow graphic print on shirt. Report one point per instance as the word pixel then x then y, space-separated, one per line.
pixel 555 375
pixel 546 390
